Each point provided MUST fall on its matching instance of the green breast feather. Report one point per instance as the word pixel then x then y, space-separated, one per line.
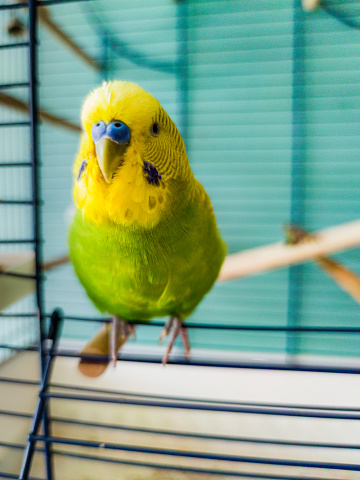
pixel 141 273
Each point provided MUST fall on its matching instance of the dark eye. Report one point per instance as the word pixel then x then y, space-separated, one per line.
pixel 154 129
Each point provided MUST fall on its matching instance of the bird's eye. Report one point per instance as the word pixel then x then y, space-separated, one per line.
pixel 154 129
pixel 98 130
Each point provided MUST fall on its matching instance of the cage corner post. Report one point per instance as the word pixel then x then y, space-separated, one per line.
pixel 41 413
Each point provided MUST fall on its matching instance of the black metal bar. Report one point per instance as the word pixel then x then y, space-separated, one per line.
pixel 43 3
pixel 11 475
pixel 199 455
pixel 34 139
pixel 15 124
pixel 204 400
pixel 7 413
pixel 17 315
pixel 18 446
pixel 17 240
pixel 19 381
pixel 200 436
pixel 222 327
pixel 188 405
pixel 261 441
pixel 25 276
pixel 15 164
pixel 179 468
pixel 39 415
pixel 6 86
pixel 18 348
pixel 206 362
pixel 12 6
pixel 14 44
pixel 16 202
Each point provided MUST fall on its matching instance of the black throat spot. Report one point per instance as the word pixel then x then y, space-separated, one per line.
pixel 152 175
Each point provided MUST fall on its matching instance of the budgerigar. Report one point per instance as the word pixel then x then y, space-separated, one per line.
pixel 144 241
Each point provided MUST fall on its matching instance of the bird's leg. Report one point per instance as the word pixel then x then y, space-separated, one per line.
pixel 120 332
pixel 185 340
pixel 167 327
pixel 175 324
pixel 113 338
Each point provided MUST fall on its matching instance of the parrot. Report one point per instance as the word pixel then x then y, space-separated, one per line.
pixel 143 241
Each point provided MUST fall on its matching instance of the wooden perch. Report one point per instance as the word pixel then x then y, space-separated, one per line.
pixel 345 278
pixel 277 255
pixel 99 345
pixel 55 263
pixel 45 19
pixel 16 104
pixel 14 288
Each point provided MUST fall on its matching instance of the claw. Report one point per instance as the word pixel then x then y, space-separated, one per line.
pixel 185 340
pixel 165 331
pixel 113 339
pixel 176 326
pixel 120 332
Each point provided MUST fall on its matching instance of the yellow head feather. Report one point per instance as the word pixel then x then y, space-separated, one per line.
pixel 129 198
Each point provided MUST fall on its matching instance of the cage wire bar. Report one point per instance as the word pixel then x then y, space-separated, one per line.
pixel 42 416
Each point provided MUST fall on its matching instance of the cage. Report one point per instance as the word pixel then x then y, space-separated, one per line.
pixel 266 97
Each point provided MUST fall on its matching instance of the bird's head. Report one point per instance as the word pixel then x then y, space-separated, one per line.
pixel 132 162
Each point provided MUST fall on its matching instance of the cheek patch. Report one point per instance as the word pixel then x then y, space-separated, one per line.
pixel 152 175
pixel 82 169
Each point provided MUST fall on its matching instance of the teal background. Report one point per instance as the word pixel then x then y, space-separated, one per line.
pixel 240 144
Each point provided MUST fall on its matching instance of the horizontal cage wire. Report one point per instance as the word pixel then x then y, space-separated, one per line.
pixel 265 95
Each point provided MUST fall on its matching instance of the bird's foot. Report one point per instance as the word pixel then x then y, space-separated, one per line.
pixel 174 326
pixel 121 331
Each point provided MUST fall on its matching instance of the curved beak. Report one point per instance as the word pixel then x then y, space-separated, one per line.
pixel 110 156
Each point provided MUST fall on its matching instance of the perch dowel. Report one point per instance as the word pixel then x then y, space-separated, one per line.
pixel 16 104
pixel 277 255
pixel 55 263
pixel 14 288
pixel 99 345
pixel 46 20
pixel 345 278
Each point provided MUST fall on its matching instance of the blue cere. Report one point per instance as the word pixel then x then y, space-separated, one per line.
pixel 118 132
pixel 153 176
pixel 98 130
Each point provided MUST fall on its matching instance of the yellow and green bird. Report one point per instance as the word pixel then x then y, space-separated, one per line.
pixel 144 241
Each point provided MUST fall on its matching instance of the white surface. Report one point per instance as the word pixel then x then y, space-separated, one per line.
pixel 194 382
